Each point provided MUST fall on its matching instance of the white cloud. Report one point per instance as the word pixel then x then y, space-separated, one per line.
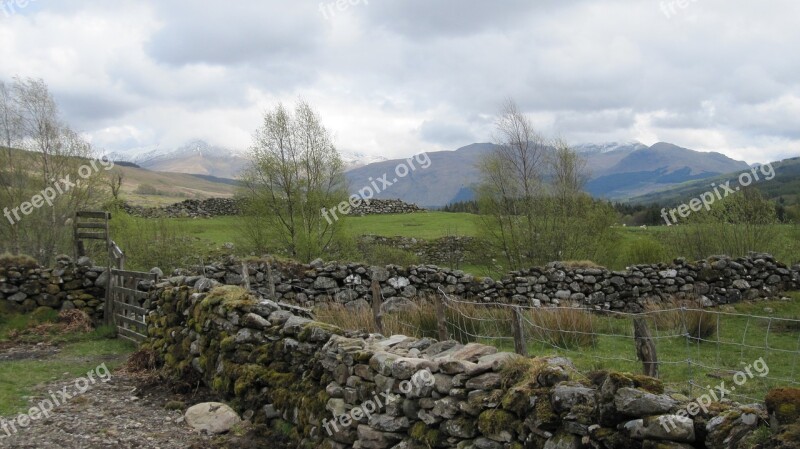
pixel 394 78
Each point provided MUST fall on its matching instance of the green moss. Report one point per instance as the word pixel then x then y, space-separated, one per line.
pixel 228 344
pixel 637 381
pixel 308 329
pixel 230 297
pixel 784 403
pixel 421 433
pixel 757 439
pixel 491 422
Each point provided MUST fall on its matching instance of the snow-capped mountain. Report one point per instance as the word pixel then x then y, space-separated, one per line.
pixel 609 147
pixel 201 158
pixel 357 159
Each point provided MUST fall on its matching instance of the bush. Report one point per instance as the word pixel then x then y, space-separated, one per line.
pixel 645 251
pixel 700 324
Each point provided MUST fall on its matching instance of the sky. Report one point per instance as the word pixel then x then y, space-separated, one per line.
pixel 397 77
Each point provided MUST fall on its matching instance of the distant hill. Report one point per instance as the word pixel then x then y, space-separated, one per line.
pixel 450 175
pixel 785 184
pixel 618 171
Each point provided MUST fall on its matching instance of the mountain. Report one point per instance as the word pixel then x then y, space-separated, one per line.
pixel 656 168
pixel 450 176
pixel 618 171
pixel 357 159
pixel 784 185
pixel 196 157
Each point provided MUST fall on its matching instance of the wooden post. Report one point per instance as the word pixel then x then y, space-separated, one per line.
pixel 519 336
pixel 376 305
pixel 270 280
pixel 645 348
pixel 441 320
pixel 245 276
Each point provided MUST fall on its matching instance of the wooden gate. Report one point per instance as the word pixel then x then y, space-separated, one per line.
pixel 129 306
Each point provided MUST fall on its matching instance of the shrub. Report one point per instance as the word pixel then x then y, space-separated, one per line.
pixel 701 325
pixel 644 251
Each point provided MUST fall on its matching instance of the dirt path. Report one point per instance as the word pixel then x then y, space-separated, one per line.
pixel 122 412
pixel 110 414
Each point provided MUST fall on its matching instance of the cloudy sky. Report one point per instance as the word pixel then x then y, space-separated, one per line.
pixel 395 77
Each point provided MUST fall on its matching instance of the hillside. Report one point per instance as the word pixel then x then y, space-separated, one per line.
pixel 171 187
pixel 785 184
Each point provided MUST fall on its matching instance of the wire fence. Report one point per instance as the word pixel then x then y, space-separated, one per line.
pixel 697 349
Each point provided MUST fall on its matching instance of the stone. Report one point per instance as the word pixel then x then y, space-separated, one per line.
pixel 487 381
pixel 375 439
pixel 255 321
pixel 639 403
pixel 212 417
pixel 473 351
pixel 664 427
pixel 405 368
pixel 564 397
pixel 294 325
pixel 325 283
pixel 563 440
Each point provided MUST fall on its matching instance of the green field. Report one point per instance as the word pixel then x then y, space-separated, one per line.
pixel 626 245
pixel 43 358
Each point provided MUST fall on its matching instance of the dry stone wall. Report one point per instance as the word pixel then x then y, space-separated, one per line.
pixel 715 281
pixel 379 207
pixel 341 390
pixel 212 207
pixel 26 287
pixel 219 207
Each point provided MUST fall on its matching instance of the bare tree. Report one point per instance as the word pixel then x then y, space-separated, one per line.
pixel 40 152
pixel 531 201
pixel 294 173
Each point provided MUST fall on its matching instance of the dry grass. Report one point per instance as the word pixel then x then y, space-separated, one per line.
pixel 569 327
pixel 685 316
pixel 563 327
pixel 701 325
pixel 67 322
pixel 581 264
pixel 20 261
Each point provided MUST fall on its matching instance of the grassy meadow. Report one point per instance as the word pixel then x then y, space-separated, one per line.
pixel 624 247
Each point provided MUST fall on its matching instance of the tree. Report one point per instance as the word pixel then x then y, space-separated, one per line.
pixel 531 197
pixel 735 225
pixel 40 152
pixel 294 173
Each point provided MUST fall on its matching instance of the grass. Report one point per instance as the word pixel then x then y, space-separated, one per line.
pixel 627 246
pixel 78 354
pixel 732 339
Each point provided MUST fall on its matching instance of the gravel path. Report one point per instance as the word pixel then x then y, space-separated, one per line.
pixel 114 414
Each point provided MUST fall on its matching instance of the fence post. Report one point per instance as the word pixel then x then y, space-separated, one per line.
pixel 245 276
pixel 376 305
pixel 270 280
pixel 645 348
pixel 441 322
pixel 519 336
